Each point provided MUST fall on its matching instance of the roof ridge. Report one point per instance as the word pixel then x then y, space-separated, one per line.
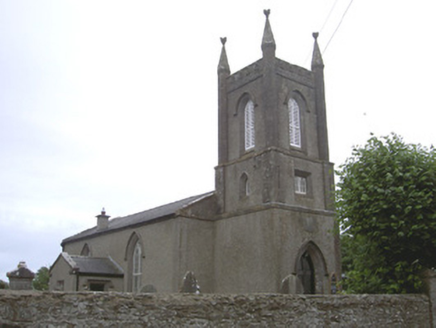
pixel 148 215
pixel 164 205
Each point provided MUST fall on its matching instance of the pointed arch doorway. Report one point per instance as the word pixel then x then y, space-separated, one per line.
pixel 311 270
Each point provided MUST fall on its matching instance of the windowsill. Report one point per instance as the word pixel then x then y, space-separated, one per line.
pixel 303 196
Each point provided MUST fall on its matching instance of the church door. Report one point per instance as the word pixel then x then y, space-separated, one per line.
pixel 307 274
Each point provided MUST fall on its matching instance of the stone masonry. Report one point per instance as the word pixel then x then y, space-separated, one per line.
pixel 87 309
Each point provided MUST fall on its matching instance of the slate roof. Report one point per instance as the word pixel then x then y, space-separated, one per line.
pixel 140 218
pixel 21 273
pixel 97 266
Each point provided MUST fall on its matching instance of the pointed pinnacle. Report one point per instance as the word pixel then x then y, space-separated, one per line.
pixel 268 37
pixel 316 57
pixel 223 65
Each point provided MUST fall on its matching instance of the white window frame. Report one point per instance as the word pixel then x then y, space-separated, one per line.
pixel 294 123
pixel 136 267
pixel 300 185
pixel 249 125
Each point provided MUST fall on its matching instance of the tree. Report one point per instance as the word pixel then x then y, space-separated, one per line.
pixel 4 284
pixel 386 204
pixel 41 279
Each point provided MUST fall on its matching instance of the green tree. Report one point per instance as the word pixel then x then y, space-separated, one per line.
pixel 41 279
pixel 386 203
pixel 4 284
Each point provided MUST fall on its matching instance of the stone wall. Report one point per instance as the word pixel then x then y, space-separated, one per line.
pixel 59 310
pixel 430 289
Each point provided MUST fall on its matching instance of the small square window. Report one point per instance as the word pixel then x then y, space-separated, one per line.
pixel 300 185
pixel 59 285
pixel 96 287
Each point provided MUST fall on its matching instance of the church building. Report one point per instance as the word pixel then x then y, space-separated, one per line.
pixel 269 226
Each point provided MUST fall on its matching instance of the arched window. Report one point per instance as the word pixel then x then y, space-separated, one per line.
pixel 134 256
pixel 137 268
pixel 249 125
pixel 244 187
pixel 294 123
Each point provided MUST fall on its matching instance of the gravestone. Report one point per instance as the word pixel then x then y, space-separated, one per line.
pixel 148 289
pixel 190 284
pixel 288 285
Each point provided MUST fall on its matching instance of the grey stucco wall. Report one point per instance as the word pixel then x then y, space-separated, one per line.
pixel 56 310
pixel 170 249
pixel 159 242
pixel 255 251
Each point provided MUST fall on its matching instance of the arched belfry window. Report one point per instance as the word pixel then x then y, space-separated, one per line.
pixel 249 125
pixel 134 256
pixel 294 123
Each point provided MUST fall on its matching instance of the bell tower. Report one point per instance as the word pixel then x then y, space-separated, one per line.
pixel 273 166
pixel 273 145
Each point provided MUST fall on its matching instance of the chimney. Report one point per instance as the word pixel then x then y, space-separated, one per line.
pixel 102 220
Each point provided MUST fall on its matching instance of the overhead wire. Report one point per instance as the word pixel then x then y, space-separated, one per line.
pixel 328 16
pixel 322 28
pixel 337 27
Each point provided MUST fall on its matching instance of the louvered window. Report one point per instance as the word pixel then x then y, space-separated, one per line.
pixel 249 125
pixel 294 123
pixel 137 269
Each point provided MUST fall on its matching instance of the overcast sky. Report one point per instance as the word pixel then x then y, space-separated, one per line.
pixel 114 103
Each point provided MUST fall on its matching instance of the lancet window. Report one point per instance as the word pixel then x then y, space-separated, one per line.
pixel 294 123
pixel 249 125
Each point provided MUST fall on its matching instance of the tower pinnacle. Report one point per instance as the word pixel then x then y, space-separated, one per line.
pixel 223 65
pixel 316 57
pixel 268 43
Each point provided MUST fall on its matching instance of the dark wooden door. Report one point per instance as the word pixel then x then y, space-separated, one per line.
pixel 307 274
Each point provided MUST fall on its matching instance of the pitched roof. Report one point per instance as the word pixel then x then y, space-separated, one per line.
pixel 22 272
pixel 140 218
pixel 97 266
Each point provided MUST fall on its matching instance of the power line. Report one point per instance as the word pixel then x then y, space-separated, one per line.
pixel 337 27
pixel 322 28
pixel 328 16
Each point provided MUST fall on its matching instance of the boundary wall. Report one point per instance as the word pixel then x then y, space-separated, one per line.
pixel 100 309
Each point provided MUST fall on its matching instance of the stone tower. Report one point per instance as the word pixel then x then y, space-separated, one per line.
pixel 274 181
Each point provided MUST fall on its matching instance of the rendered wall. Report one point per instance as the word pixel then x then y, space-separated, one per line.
pixel 159 242
pixel 56 310
pixel 170 249
pixel 254 252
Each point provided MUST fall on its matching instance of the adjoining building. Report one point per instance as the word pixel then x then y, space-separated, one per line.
pixel 268 226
